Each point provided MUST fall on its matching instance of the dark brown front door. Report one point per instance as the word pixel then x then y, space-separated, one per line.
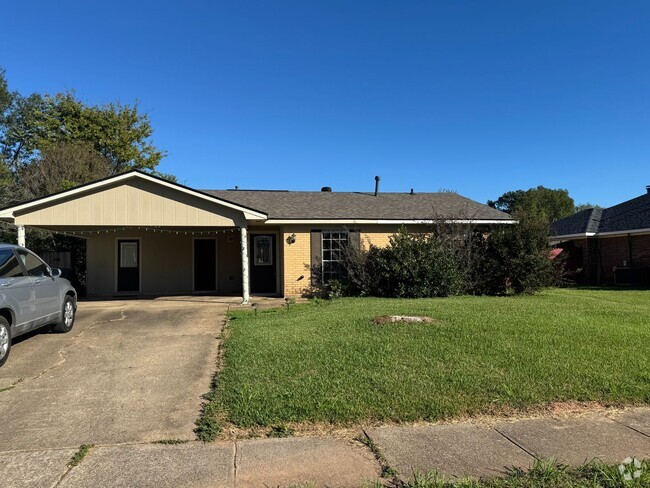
pixel 205 265
pixel 128 265
pixel 263 266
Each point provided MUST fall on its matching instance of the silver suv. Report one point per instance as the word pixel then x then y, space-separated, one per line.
pixel 32 295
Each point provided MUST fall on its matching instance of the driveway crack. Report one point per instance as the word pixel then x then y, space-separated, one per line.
pixel 75 340
pixel 234 473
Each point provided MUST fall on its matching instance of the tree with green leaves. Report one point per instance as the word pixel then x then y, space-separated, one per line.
pixel 50 143
pixel 41 132
pixel 61 166
pixel 544 203
pixel 585 206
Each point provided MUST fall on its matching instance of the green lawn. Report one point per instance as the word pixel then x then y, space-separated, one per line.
pixel 327 362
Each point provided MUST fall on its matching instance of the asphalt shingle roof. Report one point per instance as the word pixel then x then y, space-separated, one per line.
pixel 352 205
pixel 627 216
pixel 579 223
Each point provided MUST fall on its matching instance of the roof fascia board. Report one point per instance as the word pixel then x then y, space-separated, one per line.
pixel 615 233
pixel 623 232
pixel 573 236
pixel 249 214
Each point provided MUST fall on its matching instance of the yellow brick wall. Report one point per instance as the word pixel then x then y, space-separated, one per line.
pixel 296 259
pixel 379 239
pixel 379 235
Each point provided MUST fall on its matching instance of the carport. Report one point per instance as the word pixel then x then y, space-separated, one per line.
pixel 146 235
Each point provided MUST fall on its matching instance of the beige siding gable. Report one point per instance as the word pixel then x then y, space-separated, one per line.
pixel 132 203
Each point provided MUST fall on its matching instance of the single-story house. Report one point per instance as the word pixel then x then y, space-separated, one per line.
pixel 608 245
pixel 147 235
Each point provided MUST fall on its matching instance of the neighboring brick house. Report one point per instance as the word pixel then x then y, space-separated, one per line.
pixel 610 245
pixel 146 235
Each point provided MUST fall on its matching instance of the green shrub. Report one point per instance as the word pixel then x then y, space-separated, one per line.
pixel 451 260
pixel 448 260
pixel 514 259
pixel 413 266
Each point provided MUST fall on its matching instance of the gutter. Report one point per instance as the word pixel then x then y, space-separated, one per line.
pixel 617 233
pixel 385 221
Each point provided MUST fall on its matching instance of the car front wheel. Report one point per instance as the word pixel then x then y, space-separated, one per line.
pixel 5 340
pixel 67 316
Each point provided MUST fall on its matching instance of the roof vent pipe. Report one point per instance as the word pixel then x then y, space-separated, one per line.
pixel 647 188
pixel 377 178
pixel 326 189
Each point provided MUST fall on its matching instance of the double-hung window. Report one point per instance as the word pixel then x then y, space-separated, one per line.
pixel 334 243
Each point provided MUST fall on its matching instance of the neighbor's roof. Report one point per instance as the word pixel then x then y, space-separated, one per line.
pixel 585 221
pixel 632 215
pixel 302 205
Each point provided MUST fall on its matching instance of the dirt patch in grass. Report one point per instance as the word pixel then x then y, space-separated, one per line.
pixel 403 319
pixel 352 432
pixel 292 429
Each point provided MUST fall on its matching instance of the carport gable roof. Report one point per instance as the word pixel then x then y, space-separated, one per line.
pixel 8 213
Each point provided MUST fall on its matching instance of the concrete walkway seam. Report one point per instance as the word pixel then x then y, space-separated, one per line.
pixel 532 454
pixel 630 427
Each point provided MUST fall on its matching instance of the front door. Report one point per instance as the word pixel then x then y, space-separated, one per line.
pixel 262 263
pixel 205 265
pixel 128 266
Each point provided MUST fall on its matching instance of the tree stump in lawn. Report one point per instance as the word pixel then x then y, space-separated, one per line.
pixel 406 319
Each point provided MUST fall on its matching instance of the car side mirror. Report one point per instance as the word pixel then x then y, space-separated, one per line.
pixel 55 272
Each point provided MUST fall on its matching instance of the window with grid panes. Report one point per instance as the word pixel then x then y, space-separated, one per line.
pixel 334 241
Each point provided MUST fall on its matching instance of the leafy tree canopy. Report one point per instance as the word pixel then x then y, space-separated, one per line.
pixel 544 203
pixel 60 138
pixel 584 206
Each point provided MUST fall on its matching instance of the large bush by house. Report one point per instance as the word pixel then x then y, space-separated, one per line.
pixel 413 266
pixel 515 259
pixel 497 261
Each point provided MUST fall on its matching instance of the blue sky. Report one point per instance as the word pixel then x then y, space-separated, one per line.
pixel 480 97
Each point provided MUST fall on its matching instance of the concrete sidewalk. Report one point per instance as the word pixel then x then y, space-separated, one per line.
pixel 454 450
pixel 245 463
pixel 490 449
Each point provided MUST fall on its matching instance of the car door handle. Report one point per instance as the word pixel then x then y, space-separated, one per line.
pixel 5 284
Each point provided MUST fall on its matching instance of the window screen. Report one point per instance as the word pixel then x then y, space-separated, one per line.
pixel 128 254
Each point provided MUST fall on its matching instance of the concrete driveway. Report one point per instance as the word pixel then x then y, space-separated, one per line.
pixel 129 372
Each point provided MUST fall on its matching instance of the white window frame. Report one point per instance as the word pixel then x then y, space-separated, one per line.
pixel 322 248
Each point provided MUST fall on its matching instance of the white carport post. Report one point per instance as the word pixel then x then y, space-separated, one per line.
pixel 244 264
pixel 21 235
